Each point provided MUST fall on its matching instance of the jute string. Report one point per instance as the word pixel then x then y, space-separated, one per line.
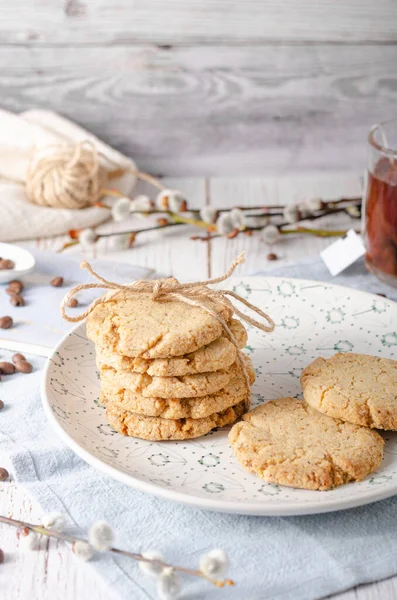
pixel 165 290
pixel 65 176
pixel 73 176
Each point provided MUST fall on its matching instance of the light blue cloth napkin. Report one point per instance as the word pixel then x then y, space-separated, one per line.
pixel 299 558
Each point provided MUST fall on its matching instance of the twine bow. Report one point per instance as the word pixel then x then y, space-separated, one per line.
pixel 166 290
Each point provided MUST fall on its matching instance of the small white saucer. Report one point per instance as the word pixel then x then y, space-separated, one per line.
pixel 24 262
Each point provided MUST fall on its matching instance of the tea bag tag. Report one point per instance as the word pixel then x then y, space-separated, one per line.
pixel 343 253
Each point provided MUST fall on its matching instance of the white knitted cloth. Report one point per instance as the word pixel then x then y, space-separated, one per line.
pixel 20 135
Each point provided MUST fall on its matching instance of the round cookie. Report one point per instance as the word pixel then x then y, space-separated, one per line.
pixel 139 326
pixel 177 408
pixel 155 428
pixel 219 354
pixel 187 386
pixel 357 388
pixel 290 443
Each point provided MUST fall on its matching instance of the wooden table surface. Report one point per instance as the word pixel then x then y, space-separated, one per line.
pixel 216 86
pixel 53 572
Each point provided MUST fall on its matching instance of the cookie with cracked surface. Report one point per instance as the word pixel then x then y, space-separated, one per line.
pixel 157 429
pixel 140 326
pixel 177 408
pixel 219 354
pixel 187 386
pixel 357 388
pixel 288 442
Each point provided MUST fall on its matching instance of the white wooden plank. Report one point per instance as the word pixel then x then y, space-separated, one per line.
pixel 188 21
pixel 381 590
pixel 257 191
pixel 49 574
pixel 234 111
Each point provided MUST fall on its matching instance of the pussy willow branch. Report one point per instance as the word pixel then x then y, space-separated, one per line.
pixel 318 232
pixel 136 231
pixel 39 529
pixel 305 230
pixel 133 232
pixel 277 207
pixel 211 235
pixel 311 217
pixel 325 213
pixel 329 208
pixel 179 219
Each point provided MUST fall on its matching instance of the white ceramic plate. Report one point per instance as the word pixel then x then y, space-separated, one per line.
pixel 312 319
pixel 24 262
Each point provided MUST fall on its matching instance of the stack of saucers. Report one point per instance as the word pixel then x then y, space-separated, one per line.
pixel 167 369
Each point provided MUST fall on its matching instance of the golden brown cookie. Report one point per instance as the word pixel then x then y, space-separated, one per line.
pixel 219 354
pixel 178 408
pixel 187 386
pixel 139 326
pixel 288 442
pixel 155 428
pixel 358 388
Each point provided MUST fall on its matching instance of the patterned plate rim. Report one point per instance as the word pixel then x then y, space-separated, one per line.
pixel 225 506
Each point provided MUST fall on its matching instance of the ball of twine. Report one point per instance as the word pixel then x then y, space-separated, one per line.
pixel 65 177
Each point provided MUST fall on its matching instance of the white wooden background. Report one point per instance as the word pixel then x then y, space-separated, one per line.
pixel 208 87
pixel 53 573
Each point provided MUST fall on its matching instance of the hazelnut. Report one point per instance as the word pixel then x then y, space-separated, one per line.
pixel 57 282
pixel 6 322
pixel 18 357
pixel 22 366
pixel 4 474
pixel 7 368
pixel 15 286
pixel 17 300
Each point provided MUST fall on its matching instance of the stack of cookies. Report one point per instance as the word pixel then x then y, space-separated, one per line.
pixel 167 370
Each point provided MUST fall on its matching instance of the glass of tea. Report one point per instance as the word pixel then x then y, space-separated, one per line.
pixel 380 203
